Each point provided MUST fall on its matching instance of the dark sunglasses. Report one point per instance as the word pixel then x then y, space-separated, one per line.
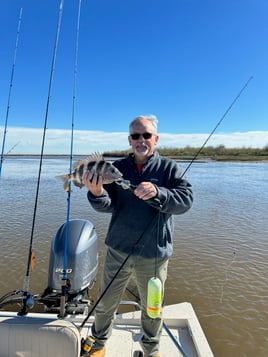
pixel 145 136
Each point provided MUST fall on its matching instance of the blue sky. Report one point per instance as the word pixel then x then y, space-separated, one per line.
pixel 182 60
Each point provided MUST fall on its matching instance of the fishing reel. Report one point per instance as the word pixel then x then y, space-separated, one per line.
pixel 18 296
pixel 86 345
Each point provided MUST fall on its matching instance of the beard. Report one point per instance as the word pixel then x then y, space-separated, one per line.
pixel 141 150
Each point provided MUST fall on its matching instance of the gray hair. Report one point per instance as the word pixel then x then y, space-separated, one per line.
pixel 152 118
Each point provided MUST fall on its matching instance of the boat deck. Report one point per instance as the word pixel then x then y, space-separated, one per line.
pixel 23 336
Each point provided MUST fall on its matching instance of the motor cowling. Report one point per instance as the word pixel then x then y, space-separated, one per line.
pixel 78 252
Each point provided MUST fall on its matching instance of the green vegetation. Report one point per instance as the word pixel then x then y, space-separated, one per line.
pixel 219 153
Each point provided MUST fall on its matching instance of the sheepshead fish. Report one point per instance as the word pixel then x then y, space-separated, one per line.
pixel 94 163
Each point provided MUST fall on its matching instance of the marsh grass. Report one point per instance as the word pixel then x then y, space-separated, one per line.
pixel 218 153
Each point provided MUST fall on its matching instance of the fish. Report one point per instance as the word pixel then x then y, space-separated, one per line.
pixel 93 163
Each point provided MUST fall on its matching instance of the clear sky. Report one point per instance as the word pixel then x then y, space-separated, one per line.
pixel 182 60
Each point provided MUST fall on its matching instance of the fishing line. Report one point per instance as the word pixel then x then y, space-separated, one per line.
pixel 198 152
pixel 173 338
pixel 65 256
pixel 157 242
pixel 184 172
pixel 228 267
pixel 128 186
pixel 10 89
pixel 217 125
pixel 115 275
pixel 30 254
pixel 12 148
pixel 154 285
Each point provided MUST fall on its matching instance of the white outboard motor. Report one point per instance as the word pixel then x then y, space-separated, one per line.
pixel 81 260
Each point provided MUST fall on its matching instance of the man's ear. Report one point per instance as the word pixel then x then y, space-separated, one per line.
pixel 156 138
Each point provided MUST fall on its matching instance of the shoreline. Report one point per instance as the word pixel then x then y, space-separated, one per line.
pixel 201 159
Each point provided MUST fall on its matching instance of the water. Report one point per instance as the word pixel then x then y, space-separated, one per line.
pixel 220 261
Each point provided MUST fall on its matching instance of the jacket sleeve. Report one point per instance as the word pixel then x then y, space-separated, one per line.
pixel 101 203
pixel 176 200
pixel 175 196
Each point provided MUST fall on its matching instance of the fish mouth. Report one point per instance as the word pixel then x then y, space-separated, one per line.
pixel 125 184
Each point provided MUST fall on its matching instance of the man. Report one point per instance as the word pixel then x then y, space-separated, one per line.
pixel 140 230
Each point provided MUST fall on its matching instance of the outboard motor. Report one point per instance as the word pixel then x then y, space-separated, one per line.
pixel 81 265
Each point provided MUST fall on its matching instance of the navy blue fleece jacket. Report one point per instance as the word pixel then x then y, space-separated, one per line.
pixel 140 227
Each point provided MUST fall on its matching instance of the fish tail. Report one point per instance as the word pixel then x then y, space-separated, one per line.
pixel 65 178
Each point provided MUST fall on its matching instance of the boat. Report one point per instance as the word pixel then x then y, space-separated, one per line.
pixel 62 327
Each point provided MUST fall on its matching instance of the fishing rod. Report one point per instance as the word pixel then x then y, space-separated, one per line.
pixel 127 185
pixel 64 277
pixel 12 148
pixel 115 275
pixel 217 125
pixel 10 90
pixel 31 253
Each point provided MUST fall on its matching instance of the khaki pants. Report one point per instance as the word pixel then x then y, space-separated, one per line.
pixel 141 270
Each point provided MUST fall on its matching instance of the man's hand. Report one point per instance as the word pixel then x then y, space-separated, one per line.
pixel 145 190
pixel 94 183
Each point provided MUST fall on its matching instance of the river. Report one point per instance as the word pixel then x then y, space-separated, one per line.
pixel 220 260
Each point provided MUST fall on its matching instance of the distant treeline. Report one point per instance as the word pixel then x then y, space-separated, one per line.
pixel 219 153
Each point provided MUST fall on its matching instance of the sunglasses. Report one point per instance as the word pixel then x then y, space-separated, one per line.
pixel 145 136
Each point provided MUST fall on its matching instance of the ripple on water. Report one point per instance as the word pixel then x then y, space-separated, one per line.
pixel 220 259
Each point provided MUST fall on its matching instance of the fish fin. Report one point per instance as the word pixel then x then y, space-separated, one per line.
pixel 96 156
pixel 65 179
pixel 80 185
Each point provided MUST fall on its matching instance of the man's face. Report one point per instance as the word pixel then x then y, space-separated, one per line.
pixel 143 145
